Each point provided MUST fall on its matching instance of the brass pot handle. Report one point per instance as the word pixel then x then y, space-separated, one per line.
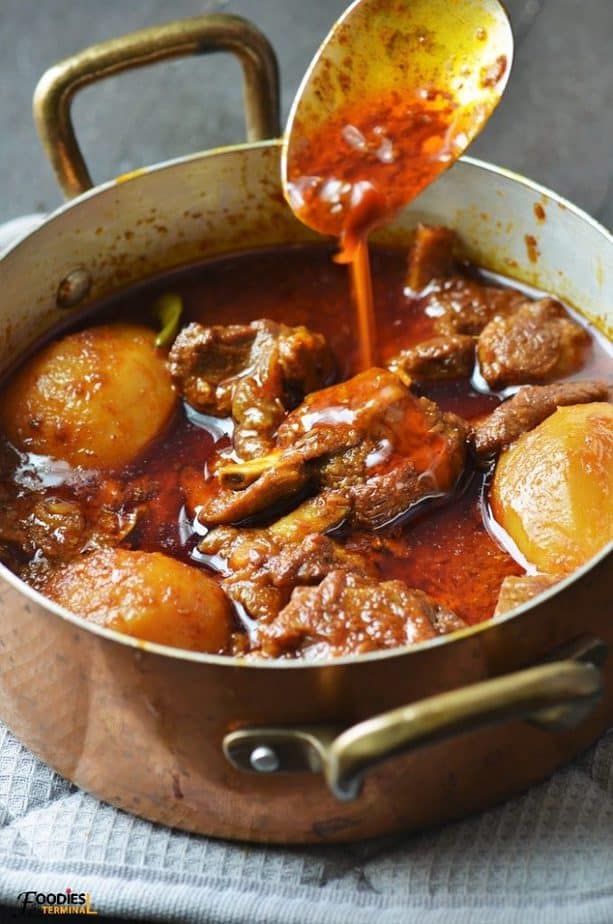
pixel 555 695
pixel 198 35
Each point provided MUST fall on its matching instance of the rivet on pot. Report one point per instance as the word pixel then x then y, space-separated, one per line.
pixel 73 288
pixel 264 759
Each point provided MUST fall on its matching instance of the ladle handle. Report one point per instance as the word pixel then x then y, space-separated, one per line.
pixel 553 696
pixel 198 35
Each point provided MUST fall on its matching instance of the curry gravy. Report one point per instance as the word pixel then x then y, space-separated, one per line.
pixel 446 548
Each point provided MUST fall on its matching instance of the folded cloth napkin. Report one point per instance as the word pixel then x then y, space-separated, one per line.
pixel 544 857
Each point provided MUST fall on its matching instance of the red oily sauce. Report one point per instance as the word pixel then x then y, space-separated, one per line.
pixel 362 165
pixel 445 549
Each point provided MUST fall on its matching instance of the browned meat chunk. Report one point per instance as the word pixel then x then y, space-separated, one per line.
pixel 439 358
pixel 205 361
pixel 457 303
pixel 253 372
pixel 265 564
pixel 228 497
pixel 517 590
pixel 525 341
pixel 460 305
pixel 370 437
pixel 351 614
pixel 527 409
pixel 50 527
pixel 393 449
pixel 537 343
pixel 243 547
pixel 264 591
pixel 431 256
pixel 38 527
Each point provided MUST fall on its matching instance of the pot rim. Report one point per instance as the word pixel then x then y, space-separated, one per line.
pixel 484 165
pixel 181 654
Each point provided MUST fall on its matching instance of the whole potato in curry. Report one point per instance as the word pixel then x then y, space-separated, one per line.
pixel 553 488
pixel 146 595
pixel 95 398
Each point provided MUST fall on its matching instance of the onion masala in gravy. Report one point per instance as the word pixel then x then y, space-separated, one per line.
pixel 241 484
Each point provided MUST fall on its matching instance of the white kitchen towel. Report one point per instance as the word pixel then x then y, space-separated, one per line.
pixel 546 857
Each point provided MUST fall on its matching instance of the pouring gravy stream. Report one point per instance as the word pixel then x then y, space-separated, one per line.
pixel 395 94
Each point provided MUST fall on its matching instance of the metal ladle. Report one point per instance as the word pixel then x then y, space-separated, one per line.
pixel 395 94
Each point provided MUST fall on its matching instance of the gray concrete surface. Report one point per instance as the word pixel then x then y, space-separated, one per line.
pixel 555 123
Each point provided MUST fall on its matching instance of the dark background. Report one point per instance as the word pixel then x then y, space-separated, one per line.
pixel 555 123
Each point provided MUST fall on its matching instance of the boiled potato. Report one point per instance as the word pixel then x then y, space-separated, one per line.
pixel 147 595
pixel 553 488
pixel 95 398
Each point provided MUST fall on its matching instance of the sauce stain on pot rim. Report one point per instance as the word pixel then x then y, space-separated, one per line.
pixel 544 278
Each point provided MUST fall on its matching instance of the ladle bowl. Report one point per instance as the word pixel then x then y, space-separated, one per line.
pixel 395 94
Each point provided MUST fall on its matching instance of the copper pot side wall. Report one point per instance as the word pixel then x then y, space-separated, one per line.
pixel 143 730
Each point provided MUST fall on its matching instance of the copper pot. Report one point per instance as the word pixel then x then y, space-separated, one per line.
pixel 289 752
